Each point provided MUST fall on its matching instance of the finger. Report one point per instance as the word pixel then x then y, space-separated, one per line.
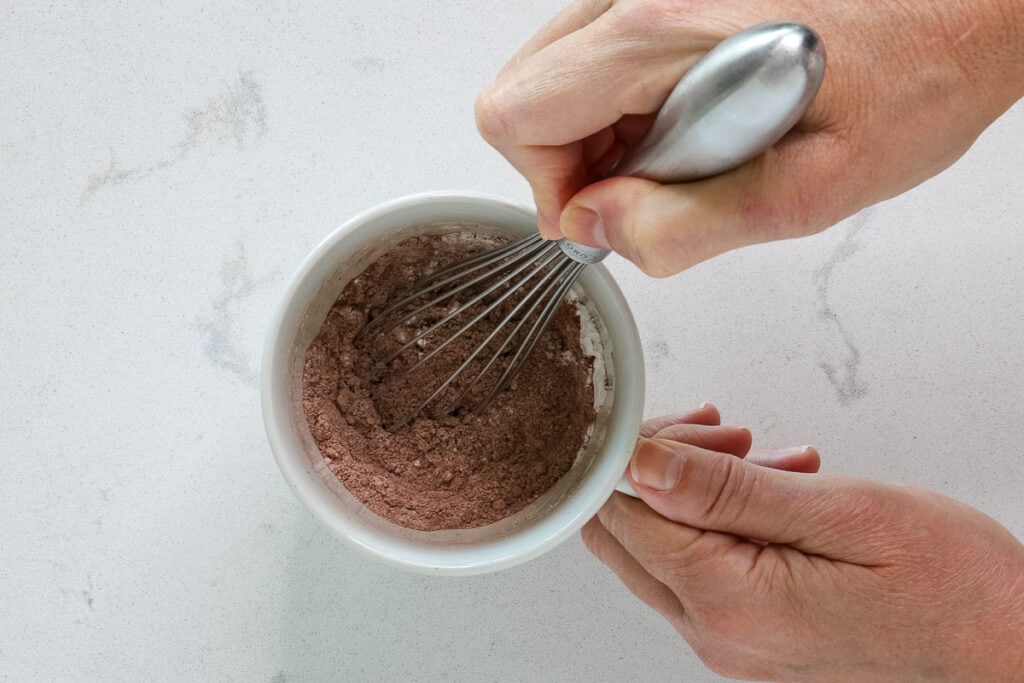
pixel 607 548
pixel 622 135
pixel 557 173
pixel 802 459
pixel 587 81
pixel 793 189
pixel 598 146
pixel 707 414
pixel 537 112
pixel 722 439
pixel 570 19
pixel 818 514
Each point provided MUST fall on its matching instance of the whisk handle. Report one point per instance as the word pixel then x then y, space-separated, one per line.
pixel 731 106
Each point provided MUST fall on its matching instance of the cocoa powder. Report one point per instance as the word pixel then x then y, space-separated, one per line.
pixel 441 472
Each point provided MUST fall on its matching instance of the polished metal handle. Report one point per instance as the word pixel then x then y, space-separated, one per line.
pixel 731 106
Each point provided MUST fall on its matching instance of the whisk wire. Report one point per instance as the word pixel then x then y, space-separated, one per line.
pixel 529 246
pixel 524 350
pixel 458 371
pixel 487 257
pixel 531 268
pixel 552 254
pixel 535 297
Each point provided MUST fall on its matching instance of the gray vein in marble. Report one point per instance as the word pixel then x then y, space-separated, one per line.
pixel 66 591
pixel 660 348
pixel 841 372
pixel 87 593
pixel 238 114
pixel 368 66
pixel 658 353
pixel 219 346
pixel 217 329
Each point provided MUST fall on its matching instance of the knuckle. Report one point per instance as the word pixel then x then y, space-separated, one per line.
pixel 656 29
pixel 727 488
pixel 494 118
pixel 671 16
pixel 641 16
pixel 701 23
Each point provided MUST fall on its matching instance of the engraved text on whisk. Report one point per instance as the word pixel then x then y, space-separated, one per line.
pixel 581 253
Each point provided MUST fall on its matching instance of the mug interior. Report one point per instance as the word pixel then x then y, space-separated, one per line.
pixel 544 522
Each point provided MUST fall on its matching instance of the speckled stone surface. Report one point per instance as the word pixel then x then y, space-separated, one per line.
pixel 163 169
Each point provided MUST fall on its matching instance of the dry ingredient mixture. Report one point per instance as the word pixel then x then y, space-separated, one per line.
pixel 441 472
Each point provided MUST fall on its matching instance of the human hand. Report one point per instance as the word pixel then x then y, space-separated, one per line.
pixel 781 575
pixel 909 86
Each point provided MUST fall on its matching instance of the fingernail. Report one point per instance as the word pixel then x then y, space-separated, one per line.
pixel 585 226
pixel 655 466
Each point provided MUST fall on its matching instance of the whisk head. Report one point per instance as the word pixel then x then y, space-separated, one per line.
pixel 472 324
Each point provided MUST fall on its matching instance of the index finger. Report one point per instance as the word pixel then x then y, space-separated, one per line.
pixel 545 107
pixel 707 414
pixel 586 81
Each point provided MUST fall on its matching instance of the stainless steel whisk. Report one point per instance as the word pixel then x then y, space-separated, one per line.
pixel 733 104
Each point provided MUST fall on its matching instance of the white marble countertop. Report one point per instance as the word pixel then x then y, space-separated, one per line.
pixel 164 166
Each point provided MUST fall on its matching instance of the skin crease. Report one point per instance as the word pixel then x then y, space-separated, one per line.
pixel 767 569
pixel 772 572
pixel 908 88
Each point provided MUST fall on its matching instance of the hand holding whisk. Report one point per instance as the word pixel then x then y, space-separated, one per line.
pixel 733 104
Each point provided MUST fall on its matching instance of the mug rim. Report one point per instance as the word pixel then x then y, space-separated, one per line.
pixel 520 546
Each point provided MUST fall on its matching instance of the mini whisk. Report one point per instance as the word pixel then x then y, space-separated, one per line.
pixel 733 104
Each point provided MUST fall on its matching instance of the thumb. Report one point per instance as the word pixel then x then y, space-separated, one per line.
pixel 817 514
pixel 793 189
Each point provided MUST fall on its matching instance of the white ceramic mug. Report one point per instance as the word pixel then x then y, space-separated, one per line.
pixel 542 524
